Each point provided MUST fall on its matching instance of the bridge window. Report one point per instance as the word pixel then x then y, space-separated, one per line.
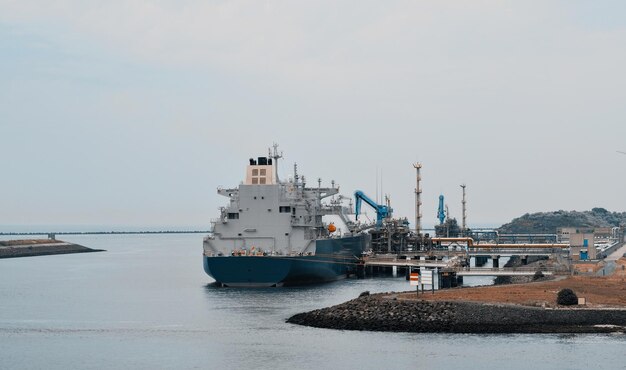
pixel 284 209
pixel 233 216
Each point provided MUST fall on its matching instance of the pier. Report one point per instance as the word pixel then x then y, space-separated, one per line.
pixel 455 266
pixel 451 259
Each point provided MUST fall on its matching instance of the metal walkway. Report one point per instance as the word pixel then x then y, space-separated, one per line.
pixel 408 263
pixel 453 266
pixel 505 271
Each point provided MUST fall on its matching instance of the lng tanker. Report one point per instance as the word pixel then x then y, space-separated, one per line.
pixel 275 233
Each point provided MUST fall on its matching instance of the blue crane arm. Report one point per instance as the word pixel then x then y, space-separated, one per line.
pixel 360 196
pixel 382 211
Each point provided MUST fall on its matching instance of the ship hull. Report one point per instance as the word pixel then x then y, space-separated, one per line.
pixel 334 259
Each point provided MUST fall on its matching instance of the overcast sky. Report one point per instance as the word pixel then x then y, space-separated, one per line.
pixel 133 112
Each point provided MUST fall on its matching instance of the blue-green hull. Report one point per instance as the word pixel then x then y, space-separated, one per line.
pixel 333 260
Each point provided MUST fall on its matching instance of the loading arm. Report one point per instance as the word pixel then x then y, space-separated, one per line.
pixel 382 211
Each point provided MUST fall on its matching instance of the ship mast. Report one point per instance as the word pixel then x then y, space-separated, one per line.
pixel 275 156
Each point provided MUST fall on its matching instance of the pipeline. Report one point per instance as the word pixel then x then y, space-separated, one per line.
pixel 469 241
pixel 470 244
pixel 518 246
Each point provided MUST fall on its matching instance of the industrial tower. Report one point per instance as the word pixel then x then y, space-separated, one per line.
pixel 464 225
pixel 418 198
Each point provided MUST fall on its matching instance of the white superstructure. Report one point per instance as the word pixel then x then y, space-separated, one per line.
pixel 272 217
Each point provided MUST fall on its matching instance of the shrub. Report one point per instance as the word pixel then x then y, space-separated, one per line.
pixel 502 280
pixel 538 275
pixel 567 297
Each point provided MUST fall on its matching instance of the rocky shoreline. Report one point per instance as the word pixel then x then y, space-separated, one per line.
pixel 387 313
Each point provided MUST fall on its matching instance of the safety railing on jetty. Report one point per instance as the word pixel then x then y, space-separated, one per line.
pixel 503 271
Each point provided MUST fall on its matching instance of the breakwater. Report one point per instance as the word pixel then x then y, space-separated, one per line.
pixel 31 248
pixel 387 313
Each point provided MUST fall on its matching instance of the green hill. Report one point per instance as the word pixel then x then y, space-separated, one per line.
pixel 548 222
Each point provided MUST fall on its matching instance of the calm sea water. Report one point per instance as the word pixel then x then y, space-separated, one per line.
pixel 146 303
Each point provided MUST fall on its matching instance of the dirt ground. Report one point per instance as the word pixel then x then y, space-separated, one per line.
pixel 588 268
pixel 601 291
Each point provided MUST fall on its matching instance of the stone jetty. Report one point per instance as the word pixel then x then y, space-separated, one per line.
pixel 385 312
pixel 40 247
